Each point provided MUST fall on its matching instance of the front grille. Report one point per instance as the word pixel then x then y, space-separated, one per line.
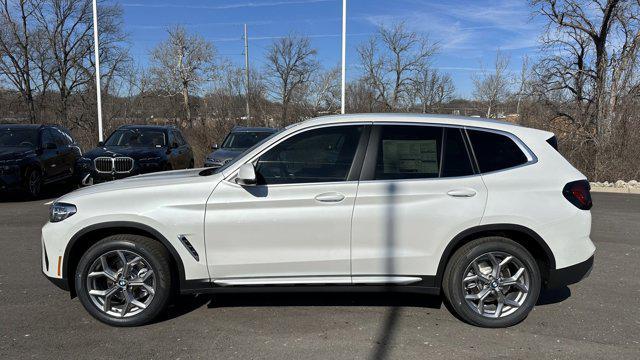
pixel 113 165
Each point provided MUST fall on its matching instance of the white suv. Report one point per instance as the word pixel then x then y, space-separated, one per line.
pixel 484 212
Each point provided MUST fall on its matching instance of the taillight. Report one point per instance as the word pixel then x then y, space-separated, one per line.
pixel 578 193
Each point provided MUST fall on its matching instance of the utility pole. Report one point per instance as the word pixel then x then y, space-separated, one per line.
pixel 246 71
pixel 96 49
pixel 344 52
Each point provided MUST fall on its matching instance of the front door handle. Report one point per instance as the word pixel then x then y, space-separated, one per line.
pixel 330 197
pixel 462 193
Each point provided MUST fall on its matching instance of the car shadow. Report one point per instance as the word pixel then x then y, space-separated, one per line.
pixel 553 296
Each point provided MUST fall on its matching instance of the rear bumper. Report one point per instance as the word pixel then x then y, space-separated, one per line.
pixel 570 275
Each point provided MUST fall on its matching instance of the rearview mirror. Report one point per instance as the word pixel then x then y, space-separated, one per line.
pixel 246 175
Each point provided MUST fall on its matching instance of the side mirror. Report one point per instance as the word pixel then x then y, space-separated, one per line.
pixel 246 175
pixel 214 147
pixel 50 146
pixel 100 143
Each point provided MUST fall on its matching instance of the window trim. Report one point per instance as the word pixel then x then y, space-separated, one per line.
pixel 354 171
pixel 367 173
pixel 528 153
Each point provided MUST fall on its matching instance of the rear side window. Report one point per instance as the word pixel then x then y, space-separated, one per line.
pixel 408 152
pixel 495 151
pixel 456 160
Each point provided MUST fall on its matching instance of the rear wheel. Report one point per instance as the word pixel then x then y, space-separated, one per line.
pixel 492 282
pixel 124 280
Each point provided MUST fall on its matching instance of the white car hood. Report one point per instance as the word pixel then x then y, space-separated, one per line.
pixel 159 179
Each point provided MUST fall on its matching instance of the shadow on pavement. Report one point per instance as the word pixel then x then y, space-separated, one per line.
pixel 553 296
pixel 49 192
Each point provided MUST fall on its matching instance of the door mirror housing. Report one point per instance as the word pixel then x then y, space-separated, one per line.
pixel 100 143
pixel 246 175
pixel 214 147
pixel 50 146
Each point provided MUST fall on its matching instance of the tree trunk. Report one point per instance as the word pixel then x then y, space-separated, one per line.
pixel 185 103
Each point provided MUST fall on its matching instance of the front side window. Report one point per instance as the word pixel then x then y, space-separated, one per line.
pixel 495 151
pixel 137 138
pixel 319 155
pixel 408 152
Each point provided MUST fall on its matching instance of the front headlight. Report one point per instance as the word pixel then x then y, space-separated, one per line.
pixel 61 211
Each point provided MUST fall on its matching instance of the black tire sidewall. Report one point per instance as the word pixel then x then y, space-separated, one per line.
pixel 27 183
pixel 455 273
pixel 153 255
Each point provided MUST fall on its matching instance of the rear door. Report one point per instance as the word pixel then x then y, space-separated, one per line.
pixel 418 190
pixel 50 158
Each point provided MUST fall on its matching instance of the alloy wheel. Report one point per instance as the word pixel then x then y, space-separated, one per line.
pixel 121 283
pixel 496 284
pixel 34 183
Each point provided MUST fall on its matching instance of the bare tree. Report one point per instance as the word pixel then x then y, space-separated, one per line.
pixel 391 59
pixel 291 61
pixel 324 91
pixel 493 87
pixel 432 89
pixel 15 48
pixel 181 64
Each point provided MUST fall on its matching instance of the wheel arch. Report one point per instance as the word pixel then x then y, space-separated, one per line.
pixel 524 236
pixel 85 238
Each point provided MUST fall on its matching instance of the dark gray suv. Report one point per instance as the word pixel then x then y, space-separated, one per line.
pixel 238 140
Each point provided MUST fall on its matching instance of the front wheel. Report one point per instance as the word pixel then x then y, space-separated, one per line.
pixel 124 280
pixel 492 282
pixel 33 183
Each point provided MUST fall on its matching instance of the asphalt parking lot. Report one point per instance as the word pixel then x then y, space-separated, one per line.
pixel 597 318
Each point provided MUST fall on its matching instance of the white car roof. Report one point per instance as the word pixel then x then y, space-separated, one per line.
pixel 426 119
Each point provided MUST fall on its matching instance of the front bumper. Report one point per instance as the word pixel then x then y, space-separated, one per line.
pixel 61 283
pixel 569 275
pixel 10 181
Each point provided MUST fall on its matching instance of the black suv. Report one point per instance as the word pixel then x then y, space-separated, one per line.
pixel 33 155
pixel 133 150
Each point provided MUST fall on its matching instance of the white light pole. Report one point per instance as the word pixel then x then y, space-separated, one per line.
pixel 344 53
pixel 96 49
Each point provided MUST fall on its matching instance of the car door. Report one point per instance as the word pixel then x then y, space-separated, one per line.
pixel 66 156
pixel 294 225
pixel 184 150
pixel 418 190
pixel 50 156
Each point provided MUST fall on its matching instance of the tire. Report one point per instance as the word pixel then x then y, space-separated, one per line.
pixel 32 183
pixel 150 272
pixel 463 289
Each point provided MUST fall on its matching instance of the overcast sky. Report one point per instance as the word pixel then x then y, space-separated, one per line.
pixel 468 32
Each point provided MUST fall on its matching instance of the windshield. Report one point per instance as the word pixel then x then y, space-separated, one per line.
pixel 244 140
pixel 18 138
pixel 225 166
pixel 137 138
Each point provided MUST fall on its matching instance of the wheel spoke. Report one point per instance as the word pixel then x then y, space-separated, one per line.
pixel 106 268
pixel 522 287
pixel 107 298
pixel 139 281
pixel 470 278
pixel 125 265
pixel 499 308
pixel 481 295
pixel 109 276
pixel 513 279
pixel 479 273
pixel 511 303
pixel 128 299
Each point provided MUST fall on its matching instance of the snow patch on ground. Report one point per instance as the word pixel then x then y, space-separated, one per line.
pixel 620 186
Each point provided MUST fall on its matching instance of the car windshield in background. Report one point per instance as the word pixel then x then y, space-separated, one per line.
pixel 137 138
pixel 244 140
pixel 229 163
pixel 18 138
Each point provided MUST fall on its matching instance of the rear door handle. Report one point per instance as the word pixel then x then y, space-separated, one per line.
pixel 462 193
pixel 330 197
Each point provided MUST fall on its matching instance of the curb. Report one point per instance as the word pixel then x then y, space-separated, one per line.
pixel 615 190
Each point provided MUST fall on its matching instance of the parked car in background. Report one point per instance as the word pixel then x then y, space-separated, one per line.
pixel 133 150
pixel 486 213
pixel 238 140
pixel 35 155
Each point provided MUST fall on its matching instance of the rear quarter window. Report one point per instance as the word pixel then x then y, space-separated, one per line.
pixel 495 151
